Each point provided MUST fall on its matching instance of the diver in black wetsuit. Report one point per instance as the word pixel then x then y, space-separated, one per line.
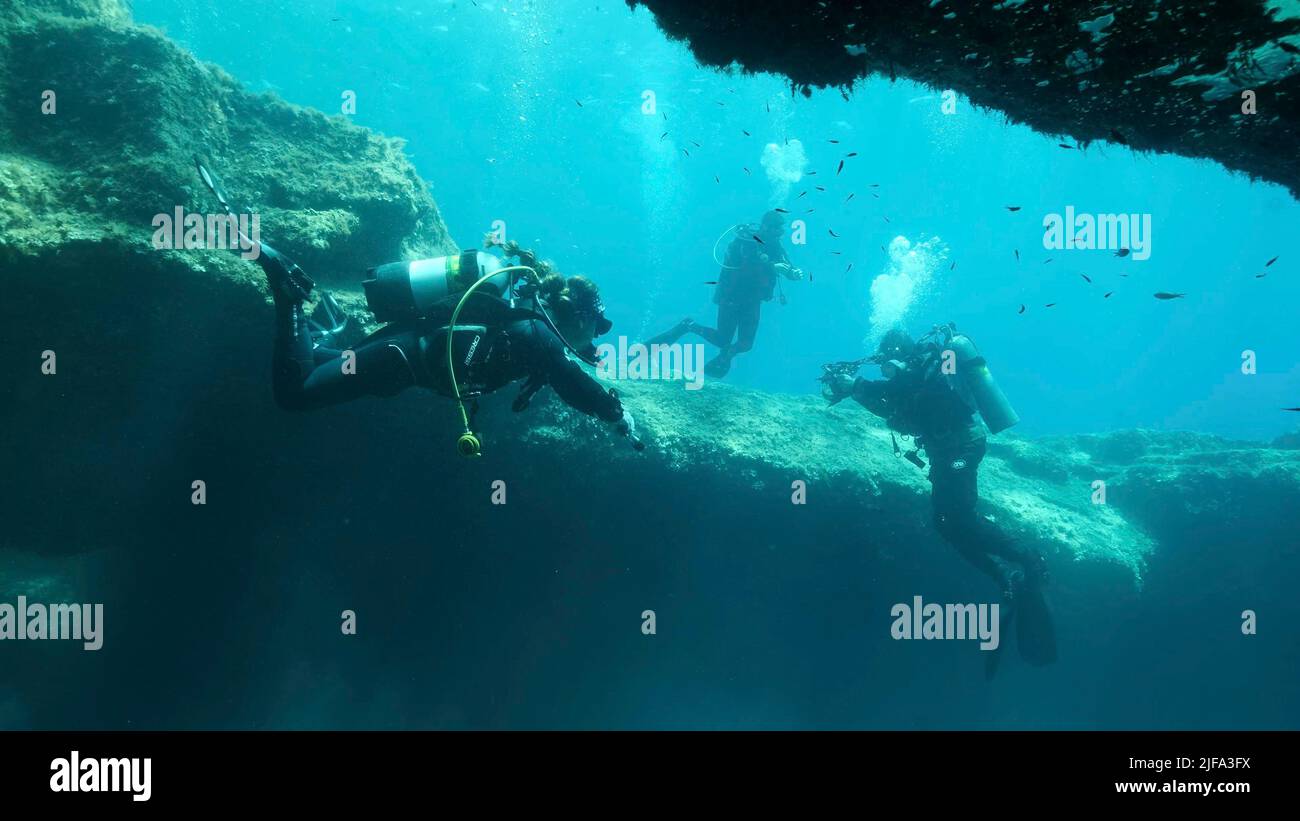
pixel 754 260
pixel 932 391
pixel 507 344
pixel 454 327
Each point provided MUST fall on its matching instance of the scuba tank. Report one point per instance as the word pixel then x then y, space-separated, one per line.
pixel 408 290
pixel 973 372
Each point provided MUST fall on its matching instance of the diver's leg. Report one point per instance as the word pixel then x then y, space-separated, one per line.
pixel 728 321
pixel 993 539
pixel 306 379
pixel 382 367
pixel 673 334
pixel 953 495
pixel 721 336
pixel 747 324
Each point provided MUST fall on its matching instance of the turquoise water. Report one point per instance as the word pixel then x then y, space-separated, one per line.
pixel 487 96
pixel 770 615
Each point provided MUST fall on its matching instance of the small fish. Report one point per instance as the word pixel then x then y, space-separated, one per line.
pixel 715 179
pixel 697 145
pixel 812 173
pixel 810 276
pixel 1108 293
pixel 810 210
pixel 710 282
pixel 665 113
pixel 833 234
pixel 1291 409
pixel 756 239
pixel 579 102
pixel 687 153
pixel 747 172
pixel 875 185
pixel 819 188
pixel 849 197
pixel 801 195
pixel 1271 261
pixel 719 102
pixel 1086 278
pixel 1063 145
pixel 885 218
pixel 851 154
pixel 1163 295
pixel 1123 252
pixel 1050 305
pixel 768 106
pixel 1260 276
pixel 781 210
pixel 874 194
pixel 837 142
pixel 950 267
pixel 837 253
pixel 743 131
pixel 1022 310
pixel 661 136
pixel 1049 259
pixel 850 268
pixel 1017 255
pixel 1116 136
pixel 1012 208
pixel 840 168
pixel 1125 276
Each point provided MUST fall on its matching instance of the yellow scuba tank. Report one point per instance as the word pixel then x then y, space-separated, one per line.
pixel 973 372
pixel 408 290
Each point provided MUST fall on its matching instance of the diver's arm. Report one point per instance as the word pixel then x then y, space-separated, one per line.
pixel 871 394
pixel 785 267
pixel 582 392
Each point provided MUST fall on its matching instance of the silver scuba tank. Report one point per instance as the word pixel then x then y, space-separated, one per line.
pixel 973 371
pixel 407 290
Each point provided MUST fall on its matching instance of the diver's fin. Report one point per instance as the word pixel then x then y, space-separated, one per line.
pixel 213 184
pixel 1035 635
pixel 718 366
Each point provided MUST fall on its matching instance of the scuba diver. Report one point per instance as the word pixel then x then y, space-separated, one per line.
pixel 932 391
pixel 455 326
pixel 748 277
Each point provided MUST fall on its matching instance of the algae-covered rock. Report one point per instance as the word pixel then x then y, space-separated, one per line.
pixel 104 119
pixel 225 614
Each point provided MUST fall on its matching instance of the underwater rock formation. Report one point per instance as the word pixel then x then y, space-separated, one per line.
pixel 225 614
pixel 1157 75
pixel 101 124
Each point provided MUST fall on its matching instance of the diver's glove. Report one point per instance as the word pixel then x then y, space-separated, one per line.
pixel 838 386
pixel 627 427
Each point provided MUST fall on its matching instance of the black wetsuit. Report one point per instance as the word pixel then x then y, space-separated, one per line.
pixel 920 401
pixel 747 280
pixel 507 345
